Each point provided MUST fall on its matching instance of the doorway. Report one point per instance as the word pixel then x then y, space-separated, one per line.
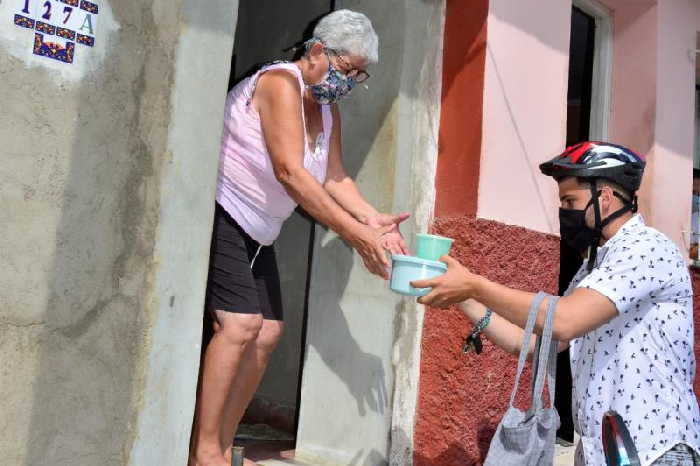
pixel 268 30
pixel 587 116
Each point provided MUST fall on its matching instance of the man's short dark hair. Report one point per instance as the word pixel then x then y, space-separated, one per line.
pixel 601 182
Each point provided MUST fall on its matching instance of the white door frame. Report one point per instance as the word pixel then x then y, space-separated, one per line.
pixel 602 67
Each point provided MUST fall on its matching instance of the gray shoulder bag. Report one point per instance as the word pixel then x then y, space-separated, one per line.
pixel 527 438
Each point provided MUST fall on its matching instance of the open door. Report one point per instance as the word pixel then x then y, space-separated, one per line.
pixel 266 31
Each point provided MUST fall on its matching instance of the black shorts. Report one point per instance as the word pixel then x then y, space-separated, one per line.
pixel 232 285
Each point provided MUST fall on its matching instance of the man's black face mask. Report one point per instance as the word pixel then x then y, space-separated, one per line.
pixel 573 228
pixel 575 232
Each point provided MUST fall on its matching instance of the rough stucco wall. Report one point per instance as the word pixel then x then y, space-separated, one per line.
pixel 86 165
pixel 463 397
pixel 183 231
pixel 695 279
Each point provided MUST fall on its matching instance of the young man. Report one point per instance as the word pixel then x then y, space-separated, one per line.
pixel 627 315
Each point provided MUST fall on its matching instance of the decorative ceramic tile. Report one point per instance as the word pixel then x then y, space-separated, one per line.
pixel 66 33
pixel 45 28
pixel 70 22
pixel 24 22
pixel 86 40
pixel 53 50
pixel 89 7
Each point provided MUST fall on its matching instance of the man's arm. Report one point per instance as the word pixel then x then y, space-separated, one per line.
pixel 576 314
pixel 499 331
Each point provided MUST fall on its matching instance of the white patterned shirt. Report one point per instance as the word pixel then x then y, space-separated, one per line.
pixel 640 363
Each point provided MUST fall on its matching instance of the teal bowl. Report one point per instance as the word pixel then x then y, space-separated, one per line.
pixel 406 269
pixel 432 247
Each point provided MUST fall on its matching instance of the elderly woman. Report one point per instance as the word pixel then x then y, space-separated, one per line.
pixel 281 147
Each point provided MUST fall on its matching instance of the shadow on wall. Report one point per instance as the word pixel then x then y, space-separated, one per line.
pixel 93 344
pixel 362 372
pixel 369 129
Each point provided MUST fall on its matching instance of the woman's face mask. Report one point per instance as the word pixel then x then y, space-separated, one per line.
pixel 333 87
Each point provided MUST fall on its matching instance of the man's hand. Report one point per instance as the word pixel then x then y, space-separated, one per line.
pixel 392 241
pixel 455 286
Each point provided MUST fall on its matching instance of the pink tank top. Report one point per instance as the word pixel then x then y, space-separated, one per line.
pixel 247 188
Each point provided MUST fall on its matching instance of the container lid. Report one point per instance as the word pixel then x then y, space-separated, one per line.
pixel 418 260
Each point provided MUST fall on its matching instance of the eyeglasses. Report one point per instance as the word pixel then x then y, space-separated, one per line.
pixel 359 76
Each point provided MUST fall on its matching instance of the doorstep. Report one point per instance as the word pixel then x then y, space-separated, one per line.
pixel 282 463
pixel 564 455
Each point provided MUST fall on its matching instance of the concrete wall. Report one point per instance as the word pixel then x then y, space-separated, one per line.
pixel 106 186
pixel 527 62
pixel 363 341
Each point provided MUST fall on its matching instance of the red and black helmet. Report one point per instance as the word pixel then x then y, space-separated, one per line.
pixel 598 160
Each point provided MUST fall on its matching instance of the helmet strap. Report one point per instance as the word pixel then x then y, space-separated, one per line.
pixel 597 229
pixel 629 206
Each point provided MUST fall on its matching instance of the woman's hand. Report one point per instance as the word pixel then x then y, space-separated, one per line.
pixel 392 241
pixel 367 241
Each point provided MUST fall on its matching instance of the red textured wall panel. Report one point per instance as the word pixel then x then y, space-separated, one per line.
pixel 459 147
pixel 462 397
pixel 695 277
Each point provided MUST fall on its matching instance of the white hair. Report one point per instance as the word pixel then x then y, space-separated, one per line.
pixel 349 32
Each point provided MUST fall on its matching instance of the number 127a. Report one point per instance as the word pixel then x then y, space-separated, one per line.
pixel 68 11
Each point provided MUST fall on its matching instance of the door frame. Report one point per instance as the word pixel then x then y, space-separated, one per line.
pixel 602 67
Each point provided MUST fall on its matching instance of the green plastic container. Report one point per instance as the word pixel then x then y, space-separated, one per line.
pixel 432 247
pixel 406 269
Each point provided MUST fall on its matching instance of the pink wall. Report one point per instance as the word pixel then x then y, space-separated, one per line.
pixel 524 120
pixel 524 109
pixel 633 94
pixel 671 179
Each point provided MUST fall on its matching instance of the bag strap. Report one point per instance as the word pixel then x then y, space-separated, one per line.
pixel 527 336
pixel 546 356
pixel 552 372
